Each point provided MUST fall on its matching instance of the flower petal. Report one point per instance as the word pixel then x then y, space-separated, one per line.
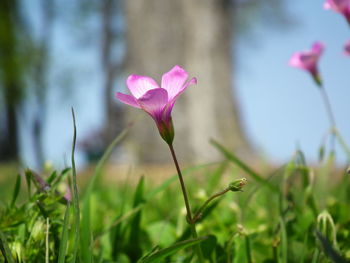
pixel 139 85
pixel 327 5
pixel 347 48
pixel 127 99
pixel 184 87
pixel 295 60
pixel 173 81
pixel 317 48
pixel 337 5
pixel 170 105
pixel 153 102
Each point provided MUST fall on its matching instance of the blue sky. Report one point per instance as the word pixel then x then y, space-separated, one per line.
pixel 281 106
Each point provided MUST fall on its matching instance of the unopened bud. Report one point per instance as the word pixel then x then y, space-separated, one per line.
pixel 38 231
pixel 237 185
pixel 166 130
pixel 317 78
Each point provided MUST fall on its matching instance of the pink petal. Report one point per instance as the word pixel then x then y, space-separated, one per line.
pixel 184 87
pixel 127 99
pixel 347 48
pixel 170 105
pixel 153 102
pixel 173 81
pixel 139 85
pixel 317 48
pixel 327 5
pixel 295 60
pixel 337 5
pixel 308 60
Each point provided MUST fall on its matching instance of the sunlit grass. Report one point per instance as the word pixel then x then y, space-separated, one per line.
pixel 275 219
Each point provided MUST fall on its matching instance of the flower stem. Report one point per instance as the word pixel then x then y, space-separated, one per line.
pixel 182 183
pixel 187 204
pixel 198 214
pixel 330 115
pixel 328 106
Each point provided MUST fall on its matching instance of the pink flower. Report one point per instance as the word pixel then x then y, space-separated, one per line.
pixel 347 48
pixel 157 101
pixel 307 60
pixel 339 6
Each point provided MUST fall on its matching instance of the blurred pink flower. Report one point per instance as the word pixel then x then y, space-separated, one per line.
pixel 347 48
pixel 157 101
pixel 307 60
pixel 339 6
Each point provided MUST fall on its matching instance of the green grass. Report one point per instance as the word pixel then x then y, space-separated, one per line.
pixel 296 213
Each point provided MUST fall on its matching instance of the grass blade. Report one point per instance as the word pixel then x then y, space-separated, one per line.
pixel 47 249
pixel 4 248
pixel 64 237
pixel 161 254
pixel 133 249
pixel 233 158
pixel 329 250
pixel 86 232
pixel 75 194
pixel 284 242
pixel 16 190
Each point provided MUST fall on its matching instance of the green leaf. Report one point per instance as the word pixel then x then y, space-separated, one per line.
pixel 233 158
pixel 4 248
pixel 216 176
pixel 134 249
pixel 329 250
pixel 208 246
pixel 86 232
pixel 284 242
pixel 52 177
pixel 161 254
pixel 16 190
pixel 64 237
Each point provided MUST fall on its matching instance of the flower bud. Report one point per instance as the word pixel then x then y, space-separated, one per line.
pixel 166 130
pixel 317 78
pixel 237 185
pixel 38 231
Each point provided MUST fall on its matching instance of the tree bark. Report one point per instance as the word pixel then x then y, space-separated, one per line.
pixel 111 67
pixel 9 144
pixel 197 35
pixel 10 80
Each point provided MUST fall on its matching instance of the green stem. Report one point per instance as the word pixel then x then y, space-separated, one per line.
pixel 75 194
pixel 330 114
pixel 187 204
pixel 198 214
pixel 343 144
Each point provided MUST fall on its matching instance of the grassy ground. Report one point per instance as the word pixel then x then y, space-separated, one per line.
pixel 295 213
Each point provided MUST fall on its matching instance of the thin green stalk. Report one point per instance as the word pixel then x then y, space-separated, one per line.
pixel 248 249
pixel 75 194
pixel 328 106
pixel 182 183
pixel 47 241
pixel 330 114
pixel 198 214
pixel 284 242
pixel 343 144
pixel 187 204
pixel 64 237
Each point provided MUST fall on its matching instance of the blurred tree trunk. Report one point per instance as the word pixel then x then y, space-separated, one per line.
pixel 10 80
pixel 197 35
pixel 41 68
pixel 111 67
